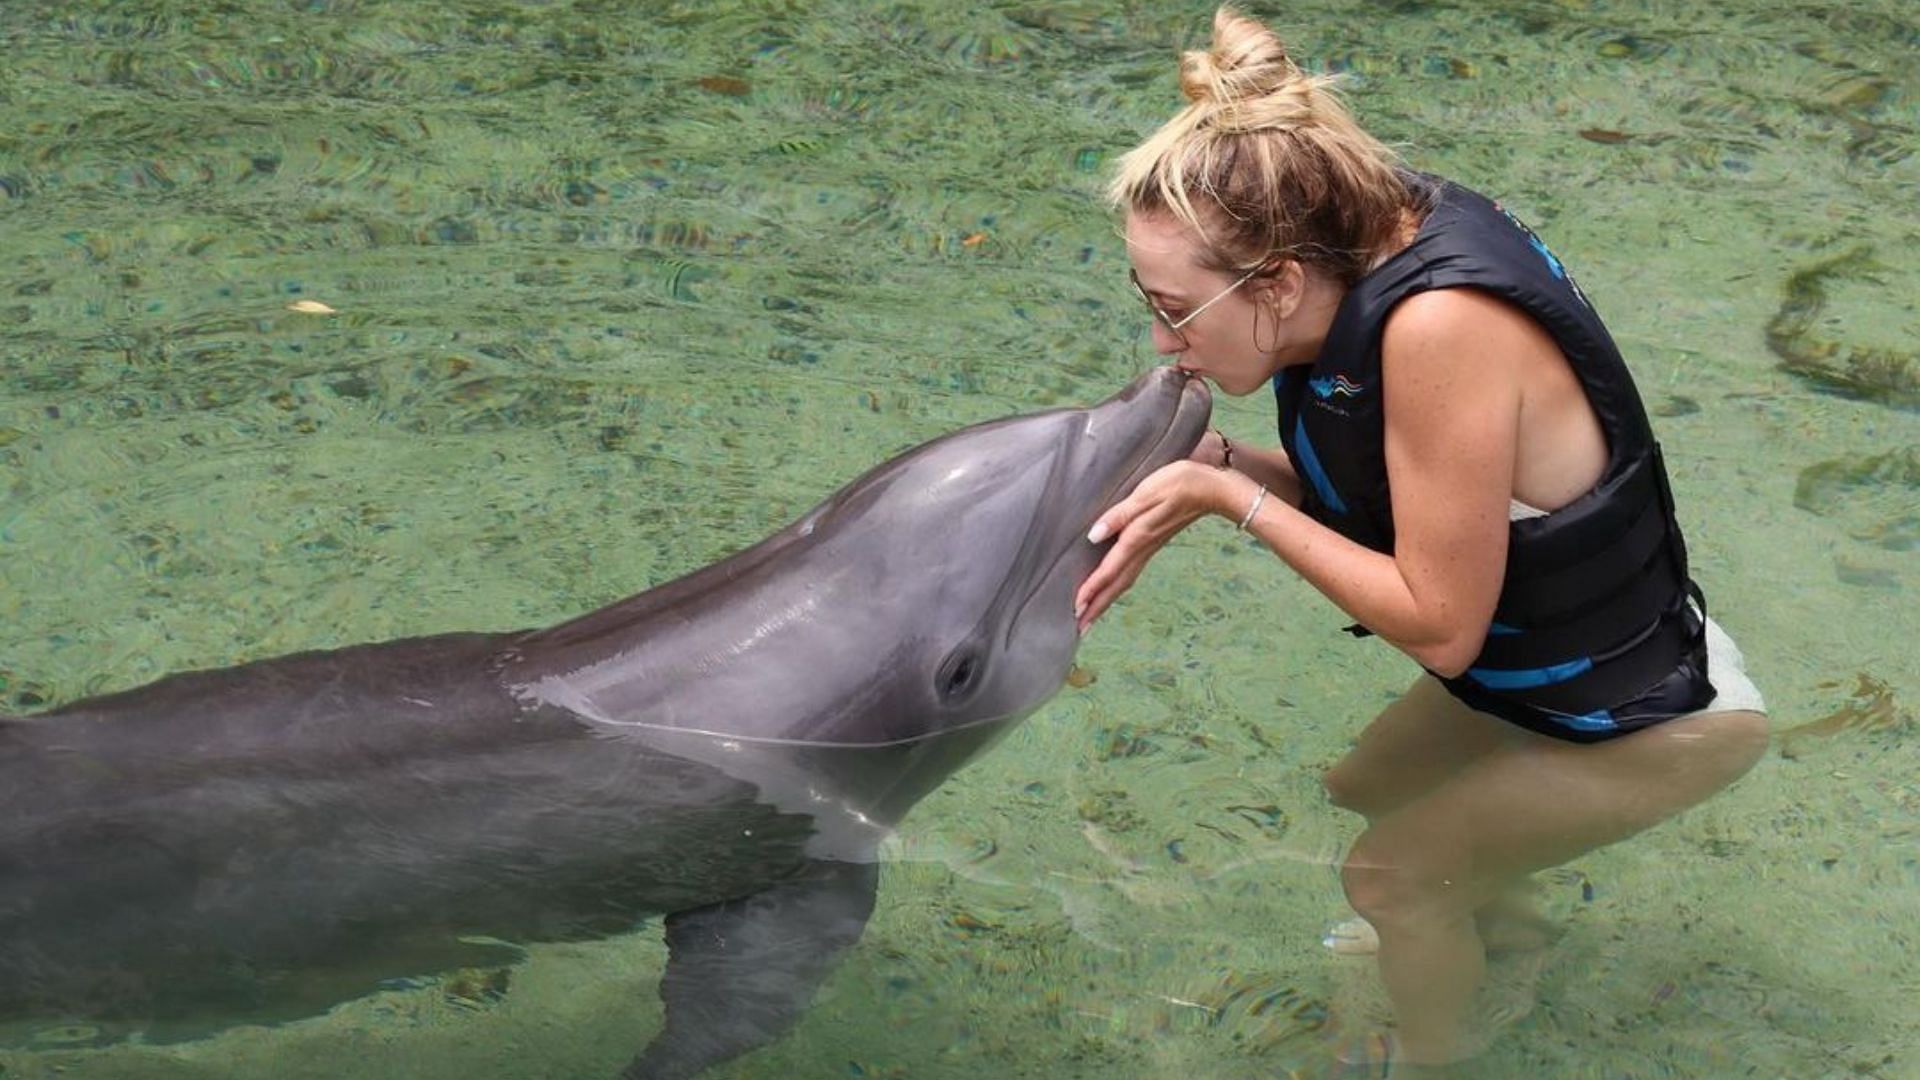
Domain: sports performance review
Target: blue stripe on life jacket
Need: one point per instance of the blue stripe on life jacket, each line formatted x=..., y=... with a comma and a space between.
x=1528, y=678
x=1598, y=720
x=1316, y=475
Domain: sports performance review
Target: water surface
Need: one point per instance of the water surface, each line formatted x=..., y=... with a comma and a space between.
x=610, y=293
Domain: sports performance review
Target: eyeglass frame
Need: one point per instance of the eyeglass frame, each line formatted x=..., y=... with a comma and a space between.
x=1174, y=327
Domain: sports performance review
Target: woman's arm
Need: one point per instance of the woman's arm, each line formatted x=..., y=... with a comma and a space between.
x=1452, y=362
x=1451, y=375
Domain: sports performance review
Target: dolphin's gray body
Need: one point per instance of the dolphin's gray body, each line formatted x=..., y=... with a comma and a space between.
x=261, y=842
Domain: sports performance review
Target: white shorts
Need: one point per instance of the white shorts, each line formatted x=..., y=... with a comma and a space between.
x=1727, y=670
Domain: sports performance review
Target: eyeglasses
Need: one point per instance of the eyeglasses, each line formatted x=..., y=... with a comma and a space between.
x=1172, y=324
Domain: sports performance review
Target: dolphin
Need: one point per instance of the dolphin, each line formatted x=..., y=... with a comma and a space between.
x=259, y=843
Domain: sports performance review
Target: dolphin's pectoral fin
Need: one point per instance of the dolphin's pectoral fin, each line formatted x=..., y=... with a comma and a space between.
x=740, y=973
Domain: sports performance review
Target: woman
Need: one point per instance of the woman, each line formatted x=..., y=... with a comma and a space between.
x=1466, y=470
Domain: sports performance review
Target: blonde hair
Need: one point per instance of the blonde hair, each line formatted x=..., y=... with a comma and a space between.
x=1277, y=163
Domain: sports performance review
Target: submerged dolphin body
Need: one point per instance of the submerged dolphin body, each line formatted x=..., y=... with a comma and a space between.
x=262, y=842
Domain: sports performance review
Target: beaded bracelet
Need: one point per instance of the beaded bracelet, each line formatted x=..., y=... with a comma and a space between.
x=1226, y=450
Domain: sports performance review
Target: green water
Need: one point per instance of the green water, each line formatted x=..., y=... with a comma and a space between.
x=619, y=288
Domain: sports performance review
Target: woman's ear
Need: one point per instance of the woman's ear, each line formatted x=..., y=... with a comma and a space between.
x=1287, y=288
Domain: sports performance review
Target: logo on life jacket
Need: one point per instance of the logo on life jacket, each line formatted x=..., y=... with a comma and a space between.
x=1338, y=386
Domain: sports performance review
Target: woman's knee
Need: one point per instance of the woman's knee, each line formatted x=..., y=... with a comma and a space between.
x=1747, y=734
x=1722, y=747
x=1371, y=792
x=1417, y=743
x=1348, y=788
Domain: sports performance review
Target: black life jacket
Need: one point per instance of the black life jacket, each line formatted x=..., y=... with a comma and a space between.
x=1593, y=635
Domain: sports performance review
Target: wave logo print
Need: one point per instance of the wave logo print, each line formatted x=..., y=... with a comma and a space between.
x=1338, y=386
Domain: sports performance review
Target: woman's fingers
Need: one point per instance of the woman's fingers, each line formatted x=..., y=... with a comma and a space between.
x=1140, y=525
x=1094, y=593
x=1121, y=573
x=1138, y=533
x=1111, y=522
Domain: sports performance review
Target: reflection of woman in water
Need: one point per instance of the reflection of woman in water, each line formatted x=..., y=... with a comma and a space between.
x=1467, y=472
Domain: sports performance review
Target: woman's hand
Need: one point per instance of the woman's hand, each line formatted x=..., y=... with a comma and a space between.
x=1168, y=500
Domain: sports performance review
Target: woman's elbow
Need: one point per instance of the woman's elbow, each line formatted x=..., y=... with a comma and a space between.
x=1447, y=658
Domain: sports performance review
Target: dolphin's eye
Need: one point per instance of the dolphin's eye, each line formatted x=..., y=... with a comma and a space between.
x=959, y=674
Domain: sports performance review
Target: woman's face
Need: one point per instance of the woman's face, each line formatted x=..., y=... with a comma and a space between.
x=1216, y=339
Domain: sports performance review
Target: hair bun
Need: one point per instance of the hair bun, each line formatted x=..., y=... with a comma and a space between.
x=1199, y=77
x=1265, y=161
x=1245, y=61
